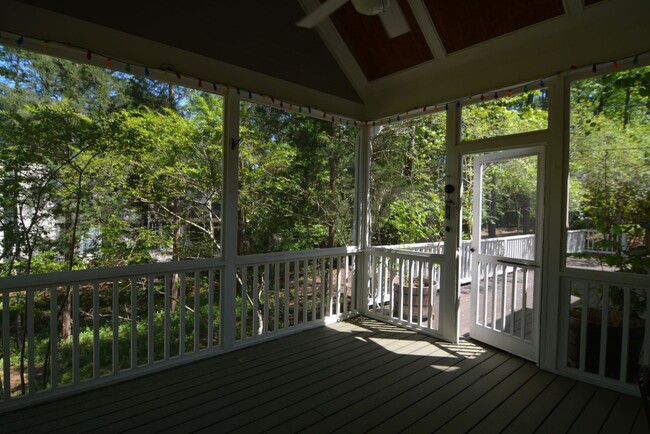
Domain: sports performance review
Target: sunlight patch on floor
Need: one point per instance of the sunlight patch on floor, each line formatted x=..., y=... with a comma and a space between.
x=445, y=368
x=464, y=349
x=423, y=348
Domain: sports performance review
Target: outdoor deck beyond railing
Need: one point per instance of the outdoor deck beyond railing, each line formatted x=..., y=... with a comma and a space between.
x=519, y=246
x=132, y=320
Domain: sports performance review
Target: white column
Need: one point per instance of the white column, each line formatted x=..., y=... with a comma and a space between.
x=449, y=295
x=362, y=221
x=229, y=219
x=554, y=315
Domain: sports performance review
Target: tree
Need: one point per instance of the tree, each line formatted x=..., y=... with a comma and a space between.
x=610, y=149
x=407, y=181
x=296, y=181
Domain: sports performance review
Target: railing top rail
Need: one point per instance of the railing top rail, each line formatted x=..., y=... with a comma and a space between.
x=574, y=231
x=406, y=254
x=512, y=237
x=265, y=258
x=607, y=277
x=413, y=245
x=63, y=278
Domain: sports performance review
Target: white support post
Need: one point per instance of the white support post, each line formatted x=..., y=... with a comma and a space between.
x=553, y=313
x=449, y=294
x=362, y=222
x=229, y=219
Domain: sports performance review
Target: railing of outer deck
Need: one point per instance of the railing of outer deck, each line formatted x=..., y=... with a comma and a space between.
x=404, y=287
x=520, y=246
x=132, y=320
x=592, y=241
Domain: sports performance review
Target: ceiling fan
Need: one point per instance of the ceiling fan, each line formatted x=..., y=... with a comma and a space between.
x=389, y=13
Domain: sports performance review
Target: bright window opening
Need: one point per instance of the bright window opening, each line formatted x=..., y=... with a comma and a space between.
x=505, y=116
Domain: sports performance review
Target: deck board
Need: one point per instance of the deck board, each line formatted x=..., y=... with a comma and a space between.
x=515, y=403
x=563, y=416
x=595, y=413
x=347, y=382
x=357, y=376
x=539, y=408
x=641, y=423
x=471, y=415
x=623, y=415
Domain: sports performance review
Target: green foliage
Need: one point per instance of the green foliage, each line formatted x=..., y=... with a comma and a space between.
x=610, y=164
x=407, y=180
x=296, y=183
x=102, y=168
x=507, y=115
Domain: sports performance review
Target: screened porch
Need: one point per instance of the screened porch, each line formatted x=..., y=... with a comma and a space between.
x=285, y=230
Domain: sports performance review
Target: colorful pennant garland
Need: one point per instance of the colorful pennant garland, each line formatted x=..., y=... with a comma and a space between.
x=147, y=70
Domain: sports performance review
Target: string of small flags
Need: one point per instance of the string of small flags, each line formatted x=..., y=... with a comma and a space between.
x=532, y=86
x=168, y=72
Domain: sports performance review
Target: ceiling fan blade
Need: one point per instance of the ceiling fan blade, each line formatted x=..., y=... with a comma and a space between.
x=394, y=20
x=320, y=13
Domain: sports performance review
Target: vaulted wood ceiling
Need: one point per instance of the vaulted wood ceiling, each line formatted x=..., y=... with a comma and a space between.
x=347, y=64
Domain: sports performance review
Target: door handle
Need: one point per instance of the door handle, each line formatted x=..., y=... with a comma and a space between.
x=472, y=250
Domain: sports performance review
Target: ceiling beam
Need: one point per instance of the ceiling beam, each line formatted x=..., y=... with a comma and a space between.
x=573, y=7
x=339, y=50
x=428, y=29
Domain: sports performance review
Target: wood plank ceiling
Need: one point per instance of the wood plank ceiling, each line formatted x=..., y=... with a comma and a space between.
x=377, y=54
x=462, y=24
x=459, y=24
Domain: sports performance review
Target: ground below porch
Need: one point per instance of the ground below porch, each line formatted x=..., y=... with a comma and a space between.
x=355, y=376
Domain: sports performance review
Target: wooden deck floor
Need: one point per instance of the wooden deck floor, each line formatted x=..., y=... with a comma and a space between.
x=357, y=376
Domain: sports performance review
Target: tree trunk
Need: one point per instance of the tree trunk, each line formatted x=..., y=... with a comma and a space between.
x=171, y=97
x=530, y=98
x=332, y=186
x=409, y=160
x=525, y=215
x=174, y=290
x=66, y=314
x=240, y=232
x=66, y=321
x=626, y=112
x=492, y=210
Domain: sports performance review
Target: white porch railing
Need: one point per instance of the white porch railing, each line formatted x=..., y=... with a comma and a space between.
x=122, y=322
x=132, y=320
x=605, y=330
x=520, y=247
x=283, y=292
x=516, y=247
x=127, y=321
x=404, y=287
x=591, y=241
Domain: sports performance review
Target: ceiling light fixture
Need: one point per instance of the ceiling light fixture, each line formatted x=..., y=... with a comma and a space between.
x=370, y=7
